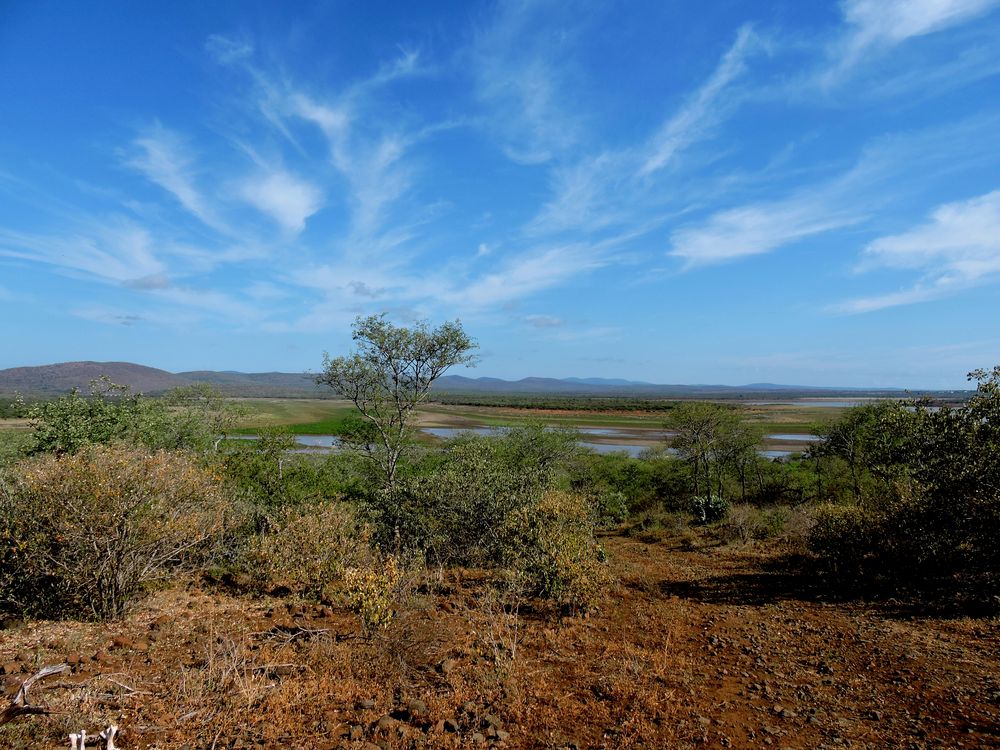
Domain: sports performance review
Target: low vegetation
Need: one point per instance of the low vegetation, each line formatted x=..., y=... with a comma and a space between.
x=112, y=499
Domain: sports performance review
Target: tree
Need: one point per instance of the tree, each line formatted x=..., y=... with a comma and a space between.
x=712, y=438
x=388, y=375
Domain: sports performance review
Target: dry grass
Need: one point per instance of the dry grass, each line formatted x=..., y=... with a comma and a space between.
x=691, y=649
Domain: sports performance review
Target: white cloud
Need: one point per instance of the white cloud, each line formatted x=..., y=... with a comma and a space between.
x=894, y=21
x=543, y=321
x=756, y=229
x=703, y=111
x=526, y=274
x=615, y=187
x=519, y=80
x=284, y=197
x=958, y=247
x=162, y=158
x=873, y=26
x=116, y=251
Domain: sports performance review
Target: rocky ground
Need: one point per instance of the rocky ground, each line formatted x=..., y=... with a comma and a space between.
x=714, y=647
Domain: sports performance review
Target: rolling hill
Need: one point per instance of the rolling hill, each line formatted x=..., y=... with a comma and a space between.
x=49, y=380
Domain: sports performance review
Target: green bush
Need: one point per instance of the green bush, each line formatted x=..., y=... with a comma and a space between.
x=708, y=508
x=82, y=535
x=846, y=538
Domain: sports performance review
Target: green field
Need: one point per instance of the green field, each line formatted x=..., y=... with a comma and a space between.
x=297, y=416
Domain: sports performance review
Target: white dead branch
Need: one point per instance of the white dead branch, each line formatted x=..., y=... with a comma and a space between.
x=21, y=705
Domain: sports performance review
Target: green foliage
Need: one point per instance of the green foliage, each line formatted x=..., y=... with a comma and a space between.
x=708, y=508
x=373, y=590
x=390, y=373
x=81, y=535
x=610, y=508
x=14, y=445
x=711, y=439
x=457, y=509
x=190, y=418
x=925, y=511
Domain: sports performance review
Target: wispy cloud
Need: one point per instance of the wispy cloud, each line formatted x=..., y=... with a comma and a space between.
x=705, y=109
x=756, y=229
x=629, y=185
x=162, y=157
x=543, y=321
x=874, y=26
x=116, y=251
x=958, y=247
x=881, y=175
x=520, y=81
x=284, y=197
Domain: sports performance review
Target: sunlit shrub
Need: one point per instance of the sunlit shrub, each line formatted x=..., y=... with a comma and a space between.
x=371, y=591
x=304, y=548
x=83, y=534
x=551, y=545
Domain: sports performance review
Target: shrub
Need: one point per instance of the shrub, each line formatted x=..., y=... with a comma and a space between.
x=82, y=535
x=610, y=507
x=551, y=545
x=709, y=508
x=747, y=523
x=372, y=590
x=304, y=548
x=845, y=538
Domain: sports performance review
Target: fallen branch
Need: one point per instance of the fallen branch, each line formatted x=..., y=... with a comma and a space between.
x=21, y=706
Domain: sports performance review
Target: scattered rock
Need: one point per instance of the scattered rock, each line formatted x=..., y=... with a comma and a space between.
x=120, y=641
x=11, y=667
x=365, y=704
x=447, y=666
x=416, y=708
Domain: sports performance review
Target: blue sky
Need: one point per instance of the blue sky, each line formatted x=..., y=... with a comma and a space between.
x=724, y=192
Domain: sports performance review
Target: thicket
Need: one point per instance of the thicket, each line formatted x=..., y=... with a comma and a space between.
x=924, y=505
x=82, y=535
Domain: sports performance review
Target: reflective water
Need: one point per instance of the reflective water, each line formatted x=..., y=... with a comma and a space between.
x=796, y=437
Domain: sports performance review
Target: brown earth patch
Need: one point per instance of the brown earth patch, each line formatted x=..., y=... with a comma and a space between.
x=708, y=648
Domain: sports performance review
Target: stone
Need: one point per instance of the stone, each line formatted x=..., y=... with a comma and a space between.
x=489, y=720
x=120, y=641
x=365, y=704
x=447, y=666
x=416, y=708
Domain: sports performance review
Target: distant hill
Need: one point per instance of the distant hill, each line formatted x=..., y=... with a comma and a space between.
x=54, y=379
x=63, y=377
x=459, y=384
x=48, y=380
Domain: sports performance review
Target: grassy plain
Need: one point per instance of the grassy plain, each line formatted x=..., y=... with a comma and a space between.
x=326, y=416
x=299, y=416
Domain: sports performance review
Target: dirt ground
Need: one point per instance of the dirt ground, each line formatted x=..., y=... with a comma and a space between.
x=706, y=648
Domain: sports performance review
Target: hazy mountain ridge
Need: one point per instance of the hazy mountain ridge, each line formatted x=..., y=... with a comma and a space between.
x=62, y=377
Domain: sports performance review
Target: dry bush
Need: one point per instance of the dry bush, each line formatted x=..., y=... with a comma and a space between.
x=499, y=631
x=379, y=587
x=306, y=549
x=82, y=535
x=551, y=545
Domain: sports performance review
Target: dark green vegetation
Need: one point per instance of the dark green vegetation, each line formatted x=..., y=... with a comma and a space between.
x=555, y=403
